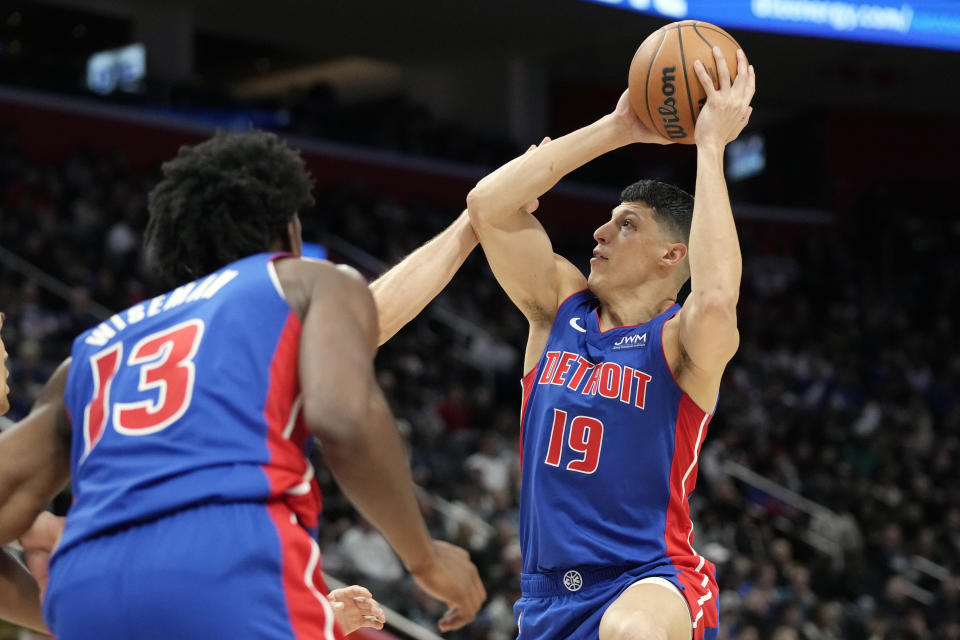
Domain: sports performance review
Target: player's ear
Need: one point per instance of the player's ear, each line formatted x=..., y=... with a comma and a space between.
x=675, y=253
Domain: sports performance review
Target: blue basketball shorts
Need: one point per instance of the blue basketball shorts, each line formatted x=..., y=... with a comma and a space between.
x=239, y=570
x=568, y=605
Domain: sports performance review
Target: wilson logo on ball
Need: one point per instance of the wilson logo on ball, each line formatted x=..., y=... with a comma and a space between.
x=668, y=110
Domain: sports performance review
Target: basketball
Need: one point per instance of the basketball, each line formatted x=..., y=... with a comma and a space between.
x=665, y=92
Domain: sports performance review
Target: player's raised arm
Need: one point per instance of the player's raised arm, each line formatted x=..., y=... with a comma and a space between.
x=345, y=408
x=516, y=245
x=708, y=322
x=34, y=459
x=402, y=292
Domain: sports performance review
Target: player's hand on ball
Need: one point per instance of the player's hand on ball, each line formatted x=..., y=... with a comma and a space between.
x=354, y=607
x=39, y=543
x=633, y=127
x=453, y=579
x=728, y=109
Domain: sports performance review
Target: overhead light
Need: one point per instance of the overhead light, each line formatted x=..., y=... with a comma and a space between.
x=353, y=78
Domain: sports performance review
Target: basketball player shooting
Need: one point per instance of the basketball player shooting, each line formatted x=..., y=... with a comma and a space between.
x=185, y=420
x=621, y=381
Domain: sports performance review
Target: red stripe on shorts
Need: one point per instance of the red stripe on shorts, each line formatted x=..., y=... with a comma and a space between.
x=310, y=614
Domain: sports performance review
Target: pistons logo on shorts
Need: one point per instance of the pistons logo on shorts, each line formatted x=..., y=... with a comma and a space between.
x=572, y=580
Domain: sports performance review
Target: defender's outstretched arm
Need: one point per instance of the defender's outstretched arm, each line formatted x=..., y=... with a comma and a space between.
x=402, y=292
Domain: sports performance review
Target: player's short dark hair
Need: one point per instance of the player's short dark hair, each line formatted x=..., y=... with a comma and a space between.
x=228, y=197
x=672, y=206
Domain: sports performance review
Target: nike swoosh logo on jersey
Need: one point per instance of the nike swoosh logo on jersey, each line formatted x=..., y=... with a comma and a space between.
x=576, y=325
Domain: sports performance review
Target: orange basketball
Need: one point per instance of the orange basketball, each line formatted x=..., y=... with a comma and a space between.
x=665, y=92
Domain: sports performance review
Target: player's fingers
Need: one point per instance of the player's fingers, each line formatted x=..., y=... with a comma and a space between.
x=723, y=73
x=751, y=82
x=704, y=78
x=545, y=140
x=376, y=612
x=478, y=592
x=453, y=619
x=357, y=591
x=741, y=80
x=373, y=622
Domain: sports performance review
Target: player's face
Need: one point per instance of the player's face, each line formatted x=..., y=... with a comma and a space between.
x=629, y=248
x=4, y=374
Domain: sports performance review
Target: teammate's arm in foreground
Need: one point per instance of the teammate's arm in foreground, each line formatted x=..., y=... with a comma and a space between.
x=704, y=336
x=34, y=467
x=345, y=408
x=516, y=245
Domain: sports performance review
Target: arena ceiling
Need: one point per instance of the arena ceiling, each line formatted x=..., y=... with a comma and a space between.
x=576, y=41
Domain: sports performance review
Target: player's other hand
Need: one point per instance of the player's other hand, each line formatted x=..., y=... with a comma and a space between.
x=452, y=578
x=39, y=542
x=631, y=126
x=354, y=607
x=728, y=109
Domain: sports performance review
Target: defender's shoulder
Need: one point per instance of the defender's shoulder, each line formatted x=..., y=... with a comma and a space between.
x=305, y=279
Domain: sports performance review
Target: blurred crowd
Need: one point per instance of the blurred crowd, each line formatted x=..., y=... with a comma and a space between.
x=844, y=391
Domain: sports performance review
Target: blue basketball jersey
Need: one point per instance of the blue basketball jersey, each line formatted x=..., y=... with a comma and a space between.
x=609, y=448
x=187, y=399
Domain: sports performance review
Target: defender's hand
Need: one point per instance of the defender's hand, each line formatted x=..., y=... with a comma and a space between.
x=728, y=109
x=631, y=125
x=354, y=607
x=39, y=543
x=452, y=578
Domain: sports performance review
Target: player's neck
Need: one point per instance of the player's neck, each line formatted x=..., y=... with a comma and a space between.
x=633, y=308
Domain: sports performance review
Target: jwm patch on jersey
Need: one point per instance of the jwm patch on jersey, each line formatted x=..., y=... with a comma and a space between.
x=189, y=398
x=610, y=445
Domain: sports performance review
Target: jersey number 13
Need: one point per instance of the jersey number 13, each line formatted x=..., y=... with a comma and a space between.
x=165, y=363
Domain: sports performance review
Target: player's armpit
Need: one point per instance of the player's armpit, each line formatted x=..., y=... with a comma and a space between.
x=34, y=459
x=698, y=344
x=569, y=281
x=708, y=331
